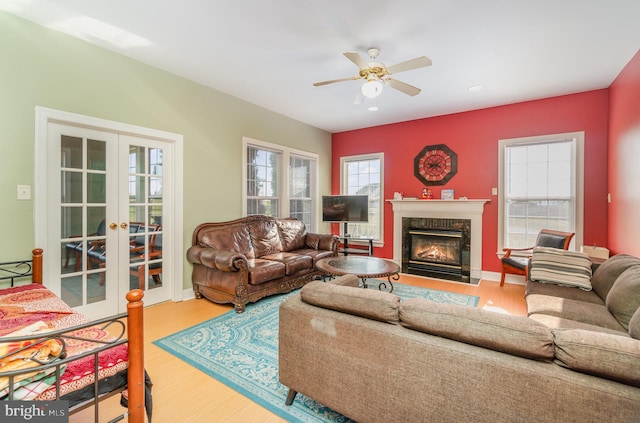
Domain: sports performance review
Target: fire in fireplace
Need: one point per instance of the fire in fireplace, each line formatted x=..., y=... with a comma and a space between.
x=435, y=250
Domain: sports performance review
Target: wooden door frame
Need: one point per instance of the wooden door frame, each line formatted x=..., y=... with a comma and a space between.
x=44, y=116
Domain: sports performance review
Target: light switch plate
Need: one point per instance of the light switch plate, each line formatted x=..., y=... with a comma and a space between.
x=24, y=192
x=494, y=191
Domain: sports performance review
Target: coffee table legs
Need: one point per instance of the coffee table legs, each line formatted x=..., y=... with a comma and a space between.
x=382, y=286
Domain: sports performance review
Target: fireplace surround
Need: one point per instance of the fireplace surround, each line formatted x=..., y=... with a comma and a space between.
x=464, y=216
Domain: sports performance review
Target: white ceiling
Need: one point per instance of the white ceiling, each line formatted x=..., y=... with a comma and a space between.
x=271, y=52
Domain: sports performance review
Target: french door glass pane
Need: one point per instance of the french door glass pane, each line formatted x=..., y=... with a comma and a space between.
x=155, y=161
x=96, y=155
x=82, y=214
x=137, y=192
x=71, y=222
x=71, y=189
x=155, y=214
x=136, y=159
x=155, y=187
x=96, y=184
x=145, y=214
x=71, y=156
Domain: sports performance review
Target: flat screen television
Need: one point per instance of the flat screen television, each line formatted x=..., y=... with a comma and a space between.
x=345, y=208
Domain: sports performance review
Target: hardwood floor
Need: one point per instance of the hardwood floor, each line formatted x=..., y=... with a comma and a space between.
x=182, y=393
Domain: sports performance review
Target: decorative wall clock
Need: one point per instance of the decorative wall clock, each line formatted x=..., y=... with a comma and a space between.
x=435, y=164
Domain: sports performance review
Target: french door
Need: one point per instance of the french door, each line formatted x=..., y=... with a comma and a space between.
x=107, y=218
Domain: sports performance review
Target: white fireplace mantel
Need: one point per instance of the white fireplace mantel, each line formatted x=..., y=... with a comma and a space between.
x=441, y=209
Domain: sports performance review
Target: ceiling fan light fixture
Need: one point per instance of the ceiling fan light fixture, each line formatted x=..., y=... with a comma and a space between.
x=372, y=88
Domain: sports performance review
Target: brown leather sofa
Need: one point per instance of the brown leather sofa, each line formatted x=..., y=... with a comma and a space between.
x=244, y=260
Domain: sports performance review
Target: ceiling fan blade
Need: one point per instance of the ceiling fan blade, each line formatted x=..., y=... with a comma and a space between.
x=333, y=81
x=404, y=87
x=418, y=62
x=357, y=59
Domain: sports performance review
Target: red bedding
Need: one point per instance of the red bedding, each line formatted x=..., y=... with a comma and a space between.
x=24, y=306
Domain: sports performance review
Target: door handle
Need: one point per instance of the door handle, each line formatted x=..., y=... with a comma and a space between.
x=113, y=226
x=124, y=225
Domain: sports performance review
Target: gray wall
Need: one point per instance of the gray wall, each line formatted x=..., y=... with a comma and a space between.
x=40, y=67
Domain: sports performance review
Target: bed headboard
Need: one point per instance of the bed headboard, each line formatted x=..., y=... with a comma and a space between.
x=20, y=269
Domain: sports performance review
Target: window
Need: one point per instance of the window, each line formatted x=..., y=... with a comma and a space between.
x=280, y=181
x=263, y=168
x=363, y=175
x=300, y=201
x=541, y=180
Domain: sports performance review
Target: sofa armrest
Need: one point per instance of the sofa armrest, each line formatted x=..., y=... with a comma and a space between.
x=224, y=260
x=322, y=242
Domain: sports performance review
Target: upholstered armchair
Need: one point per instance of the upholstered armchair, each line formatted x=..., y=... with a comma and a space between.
x=519, y=265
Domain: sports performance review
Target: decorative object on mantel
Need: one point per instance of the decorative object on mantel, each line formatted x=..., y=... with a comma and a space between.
x=446, y=194
x=427, y=194
x=397, y=195
x=435, y=164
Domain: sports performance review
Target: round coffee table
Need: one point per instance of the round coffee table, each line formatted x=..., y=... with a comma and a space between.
x=362, y=267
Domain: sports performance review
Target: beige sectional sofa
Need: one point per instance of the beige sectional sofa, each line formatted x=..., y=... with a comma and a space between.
x=607, y=307
x=374, y=358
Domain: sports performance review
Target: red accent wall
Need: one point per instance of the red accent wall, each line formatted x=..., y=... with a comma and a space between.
x=624, y=160
x=474, y=137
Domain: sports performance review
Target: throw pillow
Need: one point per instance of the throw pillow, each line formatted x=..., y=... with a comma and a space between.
x=514, y=335
x=624, y=297
x=606, y=274
x=604, y=355
x=369, y=303
x=561, y=267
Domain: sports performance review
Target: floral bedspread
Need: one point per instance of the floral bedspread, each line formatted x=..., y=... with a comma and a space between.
x=35, y=309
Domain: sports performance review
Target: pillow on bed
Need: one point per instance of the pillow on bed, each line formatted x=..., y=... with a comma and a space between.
x=560, y=267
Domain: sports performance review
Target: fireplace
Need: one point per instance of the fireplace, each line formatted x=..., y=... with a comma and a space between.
x=451, y=215
x=438, y=248
x=435, y=250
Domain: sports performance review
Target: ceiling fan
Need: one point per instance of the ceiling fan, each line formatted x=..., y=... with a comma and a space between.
x=376, y=74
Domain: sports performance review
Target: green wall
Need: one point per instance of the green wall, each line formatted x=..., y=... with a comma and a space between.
x=41, y=67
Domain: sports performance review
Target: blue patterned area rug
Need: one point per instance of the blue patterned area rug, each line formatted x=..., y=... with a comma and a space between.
x=241, y=351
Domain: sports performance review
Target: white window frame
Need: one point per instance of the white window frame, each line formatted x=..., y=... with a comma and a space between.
x=577, y=139
x=283, y=176
x=379, y=242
